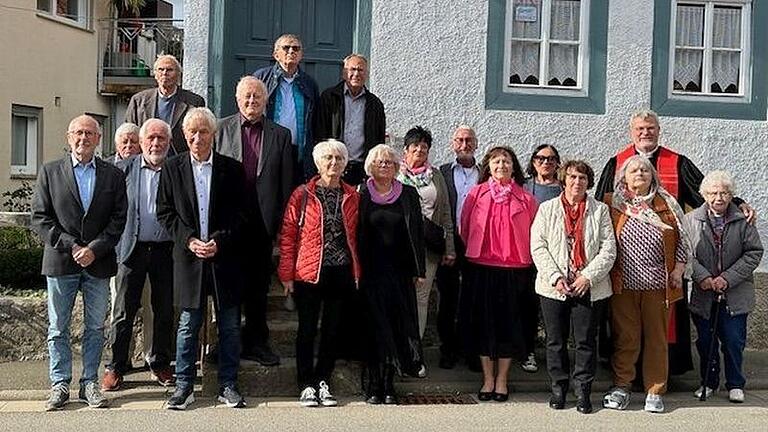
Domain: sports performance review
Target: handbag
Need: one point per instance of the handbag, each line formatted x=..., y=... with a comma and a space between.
x=434, y=237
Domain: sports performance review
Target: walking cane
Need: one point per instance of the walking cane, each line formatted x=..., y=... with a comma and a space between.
x=710, y=355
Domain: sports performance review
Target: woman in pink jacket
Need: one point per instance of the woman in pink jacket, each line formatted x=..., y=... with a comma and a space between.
x=496, y=227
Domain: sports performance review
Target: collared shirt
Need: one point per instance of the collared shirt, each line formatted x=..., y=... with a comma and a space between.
x=85, y=177
x=202, y=172
x=166, y=105
x=251, y=133
x=149, y=229
x=354, y=122
x=286, y=112
x=464, y=179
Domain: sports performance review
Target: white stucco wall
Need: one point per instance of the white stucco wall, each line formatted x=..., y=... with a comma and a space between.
x=428, y=67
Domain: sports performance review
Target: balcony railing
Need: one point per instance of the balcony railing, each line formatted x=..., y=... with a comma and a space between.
x=129, y=48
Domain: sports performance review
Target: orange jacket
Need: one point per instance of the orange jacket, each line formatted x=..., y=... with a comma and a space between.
x=301, y=248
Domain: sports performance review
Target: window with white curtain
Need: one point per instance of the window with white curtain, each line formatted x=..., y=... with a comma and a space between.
x=546, y=46
x=710, y=41
x=26, y=139
x=76, y=11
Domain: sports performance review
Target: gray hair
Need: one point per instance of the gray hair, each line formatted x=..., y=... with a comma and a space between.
x=718, y=177
x=85, y=117
x=285, y=37
x=327, y=147
x=150, y=122
x=643, y=161
x=167, y=57
x=355, y=56
x=200, y=113
x=126, y=128
x=466, y=128
x=644, y=114
x=376, y=153
x=251, y=79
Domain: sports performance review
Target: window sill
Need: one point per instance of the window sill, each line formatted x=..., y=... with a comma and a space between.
x=64, y=21
x=23, y=176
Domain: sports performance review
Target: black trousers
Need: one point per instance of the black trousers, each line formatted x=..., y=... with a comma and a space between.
x=449, y=288
x=153, y=259
x=354, y=174
x=577, y=315
x=335, y=284
x=255, y=331
x=530, y=313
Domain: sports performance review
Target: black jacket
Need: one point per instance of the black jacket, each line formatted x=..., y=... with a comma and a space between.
x=60, y=221
x=177, y=212
x=330, y=117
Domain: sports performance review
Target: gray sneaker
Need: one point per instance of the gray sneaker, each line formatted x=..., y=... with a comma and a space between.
x=90, y=394
x=181, y=398
x=231, y=397
x=653, y=403
x=58, y=398
x=617, y=399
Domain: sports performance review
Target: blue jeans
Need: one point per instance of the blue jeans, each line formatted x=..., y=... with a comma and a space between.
x=732, y=337
x=62, y=291
x=190, y=321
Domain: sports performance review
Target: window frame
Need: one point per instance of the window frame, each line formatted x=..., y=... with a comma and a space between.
x=84, y=13
x=34, y=149
x=545, y=42
x=745, y=51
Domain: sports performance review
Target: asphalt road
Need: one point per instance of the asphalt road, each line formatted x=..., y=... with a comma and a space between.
x=525, y=412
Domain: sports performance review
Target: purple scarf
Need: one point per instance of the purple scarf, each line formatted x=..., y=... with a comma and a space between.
x=390, y=197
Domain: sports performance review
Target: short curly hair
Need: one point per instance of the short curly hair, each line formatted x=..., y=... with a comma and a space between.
x=580, y=167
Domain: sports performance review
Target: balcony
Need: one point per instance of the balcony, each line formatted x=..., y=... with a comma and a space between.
x=129, y=47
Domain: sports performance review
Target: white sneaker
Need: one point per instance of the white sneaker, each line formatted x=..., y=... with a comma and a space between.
x=422, y=373
x=653, y=403
x=530, y=364
x=697, y=393
x=325, y=396
x=617, y=399
x=308, y=397
x=736, y=395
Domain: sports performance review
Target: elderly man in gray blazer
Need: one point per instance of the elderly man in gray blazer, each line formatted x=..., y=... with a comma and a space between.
x=168, y=102
x=78, y=210
x=265, y=149
x=145, y=249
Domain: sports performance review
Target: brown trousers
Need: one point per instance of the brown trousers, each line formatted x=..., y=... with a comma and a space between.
x=640, y=319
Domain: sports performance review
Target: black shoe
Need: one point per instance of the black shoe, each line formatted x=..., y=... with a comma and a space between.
x=583, y=404
x=373, y=400
x=390, y=399
x=182, y=397
x=262, y=354
x=484, y=396
x=447, y=361
x=557, y=397
x=501, y=397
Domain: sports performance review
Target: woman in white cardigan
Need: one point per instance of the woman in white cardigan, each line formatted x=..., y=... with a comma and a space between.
x=573, y=247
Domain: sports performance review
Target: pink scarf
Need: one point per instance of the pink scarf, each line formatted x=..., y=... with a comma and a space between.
x=500, y=192
x=390, y=197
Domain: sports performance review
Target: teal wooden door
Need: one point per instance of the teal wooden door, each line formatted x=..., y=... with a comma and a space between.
x=248, y=29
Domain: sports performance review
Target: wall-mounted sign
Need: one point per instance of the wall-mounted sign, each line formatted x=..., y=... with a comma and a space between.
x=526, y=13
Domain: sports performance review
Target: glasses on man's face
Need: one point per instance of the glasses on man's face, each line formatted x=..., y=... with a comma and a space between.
x=383, y=163
x=352, y=70
x=721, y=194
x=288, y=48
x=82, y=133
x=166, y=69
x=545, y=159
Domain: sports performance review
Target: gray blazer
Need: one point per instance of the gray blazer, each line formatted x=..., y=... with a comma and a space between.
x=275, y=174
x=61, y=222
x=741, y=254
x=143, y=106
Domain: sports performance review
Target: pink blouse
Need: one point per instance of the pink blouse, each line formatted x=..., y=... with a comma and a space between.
x=498, y=234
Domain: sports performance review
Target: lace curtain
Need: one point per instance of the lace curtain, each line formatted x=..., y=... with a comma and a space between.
x=726, y=27
x=563, y=58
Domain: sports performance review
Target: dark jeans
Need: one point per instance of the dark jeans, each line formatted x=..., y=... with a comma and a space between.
x=449, y=287
x=530, y=313
x=579, y=315
x=732, y=338
x=255, y=330
x=153, y=259
x=334, y=285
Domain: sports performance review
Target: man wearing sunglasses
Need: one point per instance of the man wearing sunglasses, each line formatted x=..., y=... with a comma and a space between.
x=293, y=97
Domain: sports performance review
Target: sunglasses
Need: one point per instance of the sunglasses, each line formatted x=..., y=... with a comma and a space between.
x=544, y=159
x=287, y=48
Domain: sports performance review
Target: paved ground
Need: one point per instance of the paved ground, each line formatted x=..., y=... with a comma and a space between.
x=527, y=412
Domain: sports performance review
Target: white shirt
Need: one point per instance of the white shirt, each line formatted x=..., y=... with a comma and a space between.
x=463, y=179
x=202, y=173
x=149, y=229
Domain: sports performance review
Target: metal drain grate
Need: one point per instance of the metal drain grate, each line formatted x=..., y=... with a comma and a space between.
x=436, y=399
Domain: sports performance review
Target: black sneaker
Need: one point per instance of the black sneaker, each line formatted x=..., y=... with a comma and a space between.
x=58, y=398
x=231, y=397
x=90, y=394
x=182, y=397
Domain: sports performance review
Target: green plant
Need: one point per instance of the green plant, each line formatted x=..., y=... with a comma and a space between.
x=128, y=5
x=20, y=268
x=18, y=200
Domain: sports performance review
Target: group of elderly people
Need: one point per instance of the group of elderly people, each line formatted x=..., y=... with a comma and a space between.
x=627, y=253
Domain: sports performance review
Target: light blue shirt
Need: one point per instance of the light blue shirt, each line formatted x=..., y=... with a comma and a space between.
x=287, y=109
x=149, y=229
x=85, y=177
x=354, y=124
x=202, y=171
x=463, y=179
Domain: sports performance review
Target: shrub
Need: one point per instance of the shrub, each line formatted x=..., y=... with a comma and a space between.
x=20, y=268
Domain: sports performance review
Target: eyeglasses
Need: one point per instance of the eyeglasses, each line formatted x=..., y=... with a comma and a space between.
x=81, y=133
x=287, y=48
x=545, y=159
x=384, y=163
x=352, y=70
x=460, y=139
x=723, y=194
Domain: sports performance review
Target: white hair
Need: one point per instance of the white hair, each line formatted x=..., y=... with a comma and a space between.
x=642, y=161
x=126, y=128
x=251, y=79
x=376, y=153
x=167, y=57
x=149, y=122
x=718, y=177
x=200, y=113
x=644, y=114
x=327, y=147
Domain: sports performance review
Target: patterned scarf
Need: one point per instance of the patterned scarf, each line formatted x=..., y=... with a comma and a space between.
x=416, y=177
x=500, y=192
x=390, y=197
x=574, y=230
x=638, y=206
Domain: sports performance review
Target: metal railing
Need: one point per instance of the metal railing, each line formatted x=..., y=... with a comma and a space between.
x=129, y=47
